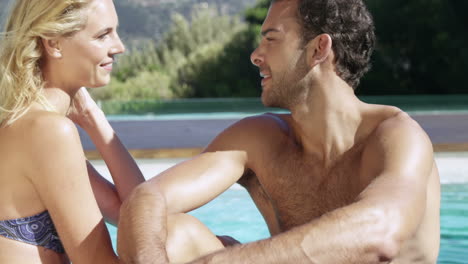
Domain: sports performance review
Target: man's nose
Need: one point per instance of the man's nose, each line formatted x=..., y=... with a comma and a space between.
x=256, y=58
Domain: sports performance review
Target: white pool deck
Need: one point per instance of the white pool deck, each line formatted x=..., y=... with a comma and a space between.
x=453, y=167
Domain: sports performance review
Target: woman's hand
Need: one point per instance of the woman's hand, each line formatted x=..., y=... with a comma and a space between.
x=84, y=110
x=123, y=168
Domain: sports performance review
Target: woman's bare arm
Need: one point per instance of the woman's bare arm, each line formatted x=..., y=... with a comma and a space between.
x=57, y=168
x=123, y=168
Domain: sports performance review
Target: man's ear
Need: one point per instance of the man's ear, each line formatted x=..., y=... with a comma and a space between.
x=52, y=47
x=319, y=49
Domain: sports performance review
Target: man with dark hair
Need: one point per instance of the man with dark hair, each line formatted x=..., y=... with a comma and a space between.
x=337, y=180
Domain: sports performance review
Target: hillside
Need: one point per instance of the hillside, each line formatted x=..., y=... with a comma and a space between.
x=151, y=18
x=142, y=19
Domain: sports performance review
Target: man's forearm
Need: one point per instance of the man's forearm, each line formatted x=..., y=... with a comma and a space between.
x=339, y=237
x=142, y=228
x=273, y=250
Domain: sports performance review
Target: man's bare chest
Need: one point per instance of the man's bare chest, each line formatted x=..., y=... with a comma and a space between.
x=299, y=190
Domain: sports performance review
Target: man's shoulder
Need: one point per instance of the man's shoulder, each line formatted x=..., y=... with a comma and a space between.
x=400, y=122
x=398, y=130
x=254, y=131
x=264, y=126
x=278, y=122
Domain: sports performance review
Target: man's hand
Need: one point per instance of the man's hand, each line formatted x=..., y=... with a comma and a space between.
x=228, y=241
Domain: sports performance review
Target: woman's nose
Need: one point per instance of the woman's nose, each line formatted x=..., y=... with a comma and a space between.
x=118, y=47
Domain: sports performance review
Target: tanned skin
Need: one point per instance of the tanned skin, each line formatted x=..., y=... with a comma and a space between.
x=337, y=180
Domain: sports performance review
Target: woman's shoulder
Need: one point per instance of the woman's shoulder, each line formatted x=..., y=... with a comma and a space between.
x=39, y=123
x=43, y=129
x=38, y=137
x=50, y=123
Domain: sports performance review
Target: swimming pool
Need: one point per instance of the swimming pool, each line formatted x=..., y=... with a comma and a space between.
x=234, y=214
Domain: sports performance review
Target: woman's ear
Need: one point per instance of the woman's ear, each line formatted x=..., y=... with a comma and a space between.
x=52, y=47
x=319, y=49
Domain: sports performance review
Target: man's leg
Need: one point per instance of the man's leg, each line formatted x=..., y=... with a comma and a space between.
x=180, y=237
x=188, y=239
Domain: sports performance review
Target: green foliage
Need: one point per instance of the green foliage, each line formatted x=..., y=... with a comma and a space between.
x=225, y=70
x=150, y=19
x=159, y=71
x=136, y=61
x=421, y=47
x=258, y=13
x=420, y=50
x=207, y=55
x=154, y=85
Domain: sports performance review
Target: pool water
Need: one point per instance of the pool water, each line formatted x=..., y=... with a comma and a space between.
x=233, y=213
x=454, y=224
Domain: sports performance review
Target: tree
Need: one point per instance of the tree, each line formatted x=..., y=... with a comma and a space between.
x=228, y=72
x=178, y=60
x=420, y=47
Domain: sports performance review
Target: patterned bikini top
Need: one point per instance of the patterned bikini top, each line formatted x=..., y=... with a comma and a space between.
x=38, y=230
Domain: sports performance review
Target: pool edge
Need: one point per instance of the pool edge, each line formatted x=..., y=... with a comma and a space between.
x=166, y=153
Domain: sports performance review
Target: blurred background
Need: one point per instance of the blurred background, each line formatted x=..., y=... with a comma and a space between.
x=200, y=49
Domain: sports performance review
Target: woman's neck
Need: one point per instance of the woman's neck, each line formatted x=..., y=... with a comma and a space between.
x=58, y=98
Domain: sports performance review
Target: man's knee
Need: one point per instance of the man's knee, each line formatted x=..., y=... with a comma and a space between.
x=188, y=238
x=183, y=223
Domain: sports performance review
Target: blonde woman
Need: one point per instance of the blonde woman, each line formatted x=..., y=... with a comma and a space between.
x=48, y=211
x=53, y=203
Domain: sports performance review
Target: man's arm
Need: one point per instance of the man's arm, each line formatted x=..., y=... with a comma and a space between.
x=142, y=231
x=197, y=181
x=184, y=187
x=370, y=230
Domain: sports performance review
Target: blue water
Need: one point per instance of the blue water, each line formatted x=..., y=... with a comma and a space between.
x=454, y=224
x=234, y=214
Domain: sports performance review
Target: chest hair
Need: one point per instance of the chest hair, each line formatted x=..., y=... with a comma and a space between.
x=300, y=189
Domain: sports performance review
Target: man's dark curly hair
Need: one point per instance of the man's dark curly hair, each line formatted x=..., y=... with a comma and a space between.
x=351, y=28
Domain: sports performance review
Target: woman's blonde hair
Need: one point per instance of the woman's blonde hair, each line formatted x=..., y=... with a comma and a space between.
x=21, y=50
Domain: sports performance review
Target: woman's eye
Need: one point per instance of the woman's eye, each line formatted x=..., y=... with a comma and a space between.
x=103, y=35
